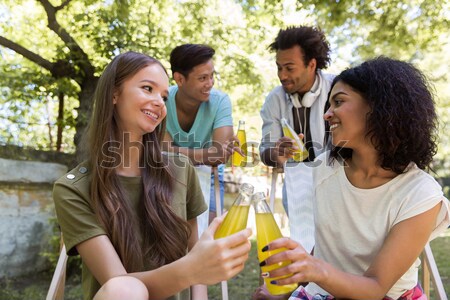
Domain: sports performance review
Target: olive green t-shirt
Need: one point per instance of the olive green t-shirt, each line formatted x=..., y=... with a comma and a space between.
x=79, y=223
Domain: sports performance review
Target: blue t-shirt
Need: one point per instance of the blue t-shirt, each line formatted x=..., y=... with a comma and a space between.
x=212, y=114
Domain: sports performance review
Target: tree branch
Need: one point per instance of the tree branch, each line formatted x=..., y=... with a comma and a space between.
x=26, y=53
x=83, y=60
x=64, y=4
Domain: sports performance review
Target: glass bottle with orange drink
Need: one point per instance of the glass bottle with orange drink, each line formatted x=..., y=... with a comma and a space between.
x=267, y=230
x=236, y=218
x=237, y=159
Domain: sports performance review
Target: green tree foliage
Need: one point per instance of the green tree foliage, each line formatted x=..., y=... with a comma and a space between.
x=394, y=28
x=64, y=45
x=52, y=51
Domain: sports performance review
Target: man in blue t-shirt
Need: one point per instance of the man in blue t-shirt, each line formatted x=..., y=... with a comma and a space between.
x=199, y=122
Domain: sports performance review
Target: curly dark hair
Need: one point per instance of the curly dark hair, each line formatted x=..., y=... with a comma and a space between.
x=310, y=39
x=402, y=122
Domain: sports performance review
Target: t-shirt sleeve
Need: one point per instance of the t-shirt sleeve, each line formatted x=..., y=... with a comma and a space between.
x=426, y=194
x=171, y=117
x=224, y=114
x=75, y=216
x=195, y=203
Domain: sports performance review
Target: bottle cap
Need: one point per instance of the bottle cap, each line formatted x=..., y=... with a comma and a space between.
x=247, y=188
x=259, y=196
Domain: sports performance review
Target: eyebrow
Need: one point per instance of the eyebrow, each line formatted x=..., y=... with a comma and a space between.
x=338, y=93
x=286, y=64
x=206, y=73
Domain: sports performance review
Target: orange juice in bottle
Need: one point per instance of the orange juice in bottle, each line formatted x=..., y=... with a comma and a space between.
x=267, y=230
x=302, y=153
x=236, y=218
x=237, y=159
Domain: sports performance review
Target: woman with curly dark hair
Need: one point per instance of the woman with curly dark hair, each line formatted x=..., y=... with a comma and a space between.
x=375, y=206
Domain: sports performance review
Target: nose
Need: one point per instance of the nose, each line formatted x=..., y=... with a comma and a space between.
x=328, y=114
x=210, y=82
x=159, y=100
x=282, y=75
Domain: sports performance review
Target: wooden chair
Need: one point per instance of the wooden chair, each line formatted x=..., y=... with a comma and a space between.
x=56, y=290
x=430, y=274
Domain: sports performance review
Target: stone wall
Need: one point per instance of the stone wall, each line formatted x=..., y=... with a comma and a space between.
x=26, y=206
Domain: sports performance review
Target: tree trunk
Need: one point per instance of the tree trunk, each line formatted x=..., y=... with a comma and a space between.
x=60, y=121
x=84, y=113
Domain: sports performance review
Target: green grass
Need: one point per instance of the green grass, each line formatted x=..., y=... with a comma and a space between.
x=441, y=249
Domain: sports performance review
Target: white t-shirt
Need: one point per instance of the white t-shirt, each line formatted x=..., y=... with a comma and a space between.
x=351, y=223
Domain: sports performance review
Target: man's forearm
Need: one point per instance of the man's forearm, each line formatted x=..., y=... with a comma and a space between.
x=269, y=157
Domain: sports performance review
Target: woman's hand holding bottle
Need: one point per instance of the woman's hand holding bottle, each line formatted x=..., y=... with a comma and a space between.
x=303, y=267
x=211, y=261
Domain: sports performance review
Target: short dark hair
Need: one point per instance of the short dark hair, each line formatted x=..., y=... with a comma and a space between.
x=185, y=57
x=402, y=122
x=311, y=39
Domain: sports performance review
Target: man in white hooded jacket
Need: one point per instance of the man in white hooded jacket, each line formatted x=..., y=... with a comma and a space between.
x=301, y=53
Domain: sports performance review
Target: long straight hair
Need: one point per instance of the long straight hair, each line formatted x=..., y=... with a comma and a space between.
x=164, y=235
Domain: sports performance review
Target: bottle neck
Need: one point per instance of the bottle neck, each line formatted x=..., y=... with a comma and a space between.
x=261, y=206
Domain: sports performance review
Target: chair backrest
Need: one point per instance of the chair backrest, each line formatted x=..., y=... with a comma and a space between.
x=430, y=274
x=56, y=290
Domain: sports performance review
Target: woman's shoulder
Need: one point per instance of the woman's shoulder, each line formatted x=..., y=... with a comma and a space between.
x=177, y=159
x=78, y=173
x=77, y=179
x=415, y=178
x=179, y=165
x=415, y=187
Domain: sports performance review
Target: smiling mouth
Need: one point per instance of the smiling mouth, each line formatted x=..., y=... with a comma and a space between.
x=333, y=126
x=151, y=114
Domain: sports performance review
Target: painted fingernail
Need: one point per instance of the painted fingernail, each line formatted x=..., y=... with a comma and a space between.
x=265, y=248
x=273, y=282
x=262, y=264
x=265, y=274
